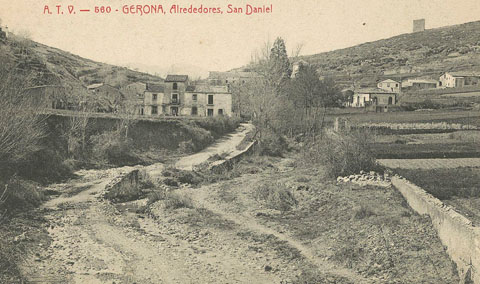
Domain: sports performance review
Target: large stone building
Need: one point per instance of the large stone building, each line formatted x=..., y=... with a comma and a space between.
x=176, y=97
x=459, y=79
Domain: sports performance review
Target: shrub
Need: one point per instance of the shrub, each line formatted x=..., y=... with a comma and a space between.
x=18, y=194
x=111, y=147
x=275, y=196
x=363, y=212
x=344, y=154
x=175, y=201
x=272, y=144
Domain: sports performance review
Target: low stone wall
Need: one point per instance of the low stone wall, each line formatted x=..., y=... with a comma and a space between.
x=221, y=165
x=455, y=231
x=125, y=187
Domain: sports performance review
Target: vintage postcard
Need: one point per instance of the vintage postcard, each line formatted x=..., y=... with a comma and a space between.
x=242, y=141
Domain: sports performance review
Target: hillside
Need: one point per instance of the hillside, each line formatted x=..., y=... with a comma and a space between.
x=427, y=53
x=52, y=66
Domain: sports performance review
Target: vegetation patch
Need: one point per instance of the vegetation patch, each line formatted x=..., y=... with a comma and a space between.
x=276, y=196
x=446, y=184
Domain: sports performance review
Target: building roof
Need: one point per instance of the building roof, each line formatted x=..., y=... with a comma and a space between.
x=208, y=89
x=389, y=81
x=229, y=74
x=464, y=74
x=423, y=81
x=372, y=91
x=176, y=78
x=155, y=88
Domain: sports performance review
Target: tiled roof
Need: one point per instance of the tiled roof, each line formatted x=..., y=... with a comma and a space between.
x=207, y=89
x=389, y=81
x=372, y=91
x=176, y=78
x=155, y=88
x=464, y=74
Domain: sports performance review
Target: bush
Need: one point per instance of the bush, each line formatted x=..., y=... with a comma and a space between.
x=110, y=147
x=344, y=154
x=219, y=125
x=275, y=196
x=271, y=144
x=18, y=194
x=175, y=201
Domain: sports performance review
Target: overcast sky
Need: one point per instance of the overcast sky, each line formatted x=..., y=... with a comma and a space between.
x=222, y=42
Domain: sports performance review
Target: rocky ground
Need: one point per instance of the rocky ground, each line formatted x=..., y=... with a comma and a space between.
x=222, y=232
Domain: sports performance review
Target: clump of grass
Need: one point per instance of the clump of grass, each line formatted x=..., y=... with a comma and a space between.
x=363, y=212
x=176, y=176
x=276, y=196
x=175, y=201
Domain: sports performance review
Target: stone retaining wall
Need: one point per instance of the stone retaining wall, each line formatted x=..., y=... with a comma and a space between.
x=455, y=231
x=221, y=165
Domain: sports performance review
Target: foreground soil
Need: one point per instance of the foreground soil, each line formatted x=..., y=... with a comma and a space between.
x=223, y=233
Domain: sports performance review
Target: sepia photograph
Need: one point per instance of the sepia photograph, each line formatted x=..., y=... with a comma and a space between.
x=242, y=141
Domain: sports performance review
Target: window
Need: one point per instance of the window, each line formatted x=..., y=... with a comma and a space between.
x=154, y=97
x=388, y=84
x=174, y=111
x=390, y=100
x=220, y=111
x=210, y=112
x=154, y=110
x=194, y=111
x=210, y=99
x=396, y=85
x=194, y=97
x=175, y=86
x=174, y=98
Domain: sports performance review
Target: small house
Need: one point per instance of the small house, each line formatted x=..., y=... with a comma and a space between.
x=419, y=84
x=374, y=99
x=459, y=79
x=390, y=85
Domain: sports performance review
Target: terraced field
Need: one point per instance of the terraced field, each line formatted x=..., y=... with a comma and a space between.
x=430, y=163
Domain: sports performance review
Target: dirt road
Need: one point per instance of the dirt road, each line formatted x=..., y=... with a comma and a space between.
x=95, y=241
x=225, y=147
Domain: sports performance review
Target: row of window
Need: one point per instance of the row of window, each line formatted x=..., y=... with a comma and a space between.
x=174, y=111
x=175, y=98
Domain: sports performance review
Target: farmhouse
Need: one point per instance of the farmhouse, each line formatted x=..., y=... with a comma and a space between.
x=177, y=97
x=106, y=98
x=418, y=84
x=459, y=79
x=153, y=100
x=375, y=99
x=205, y=100
x=390, y=85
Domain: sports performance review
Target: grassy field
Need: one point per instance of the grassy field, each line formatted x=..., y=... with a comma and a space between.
x=368, y=230
x=459, y=188
x=420, y=142
x=471, y=117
